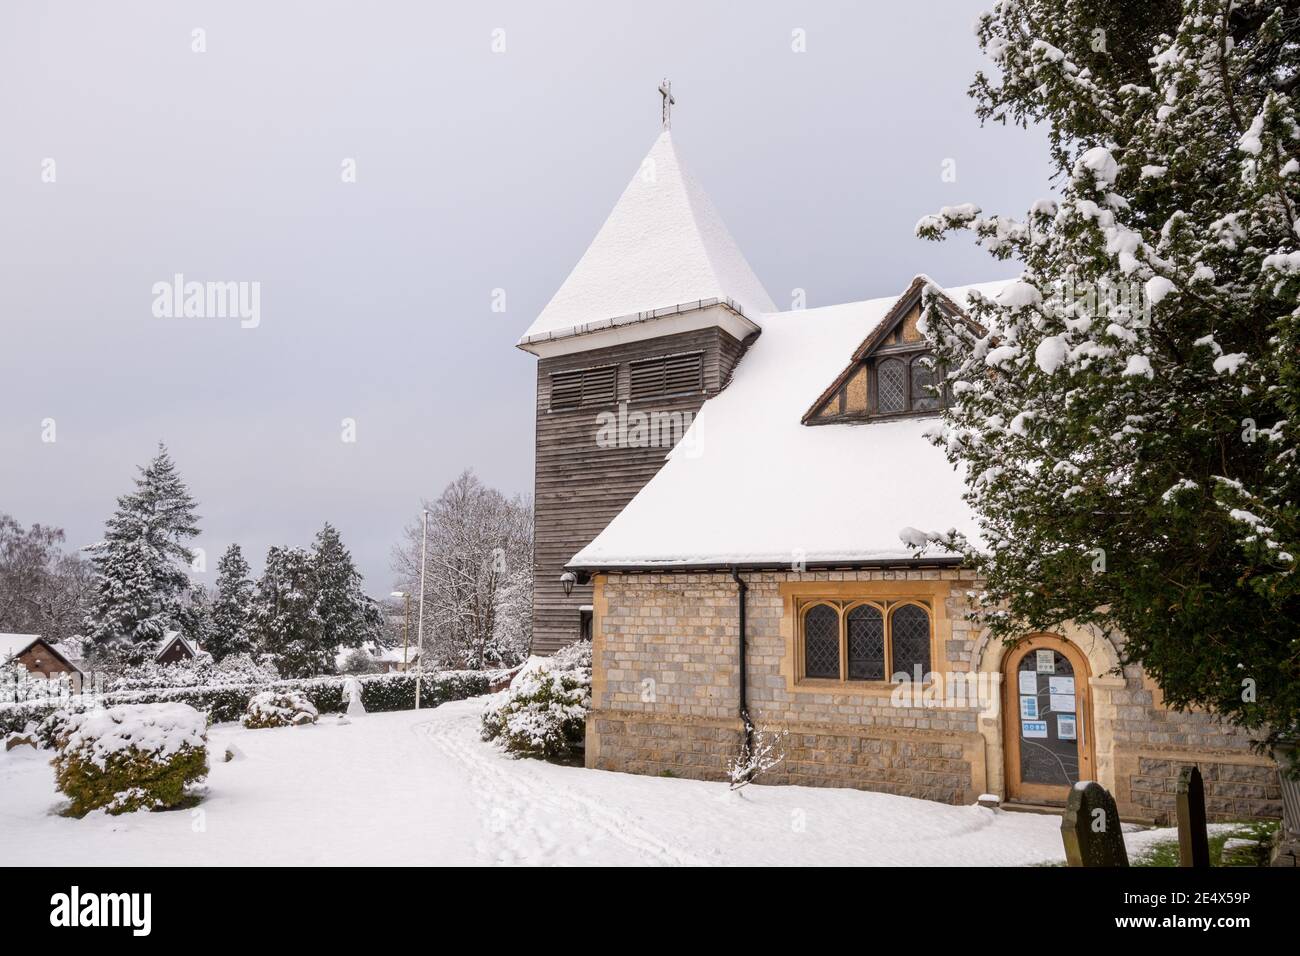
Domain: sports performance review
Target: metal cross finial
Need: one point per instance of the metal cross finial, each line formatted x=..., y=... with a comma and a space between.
x=666, y=91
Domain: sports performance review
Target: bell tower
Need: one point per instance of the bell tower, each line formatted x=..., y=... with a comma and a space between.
x=647, y=326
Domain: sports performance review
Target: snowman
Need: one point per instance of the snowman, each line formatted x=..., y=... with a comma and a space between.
x=352, y=694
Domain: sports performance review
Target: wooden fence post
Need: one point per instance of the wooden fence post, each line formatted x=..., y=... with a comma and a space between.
x=1090, y=828
x=1193, y=839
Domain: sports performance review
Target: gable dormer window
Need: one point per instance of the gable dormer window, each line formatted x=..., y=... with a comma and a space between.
x=891, y=386
x=892, y=373
x=904, y=384
x=925, y=381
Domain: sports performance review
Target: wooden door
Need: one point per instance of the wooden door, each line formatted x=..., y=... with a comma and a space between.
x=1048, y=720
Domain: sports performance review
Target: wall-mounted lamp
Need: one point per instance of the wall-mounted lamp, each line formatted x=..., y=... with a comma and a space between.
x=568, y=579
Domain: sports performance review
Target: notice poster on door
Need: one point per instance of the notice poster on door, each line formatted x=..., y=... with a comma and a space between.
x=1060, y=685
x=1033, y=728
x=1028, y=708
x=1062, y=703
x=1028, y=682
x=1065, y=726
x=1046, y=662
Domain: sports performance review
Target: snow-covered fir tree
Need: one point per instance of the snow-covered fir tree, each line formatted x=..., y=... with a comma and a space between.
x=285, y=621
x=140, y=567
x=232, y=609
x=1126, y=413
x=196, y=617
x=309, y=604
x=348, y=617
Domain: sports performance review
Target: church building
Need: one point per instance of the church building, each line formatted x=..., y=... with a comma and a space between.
x=724, y=493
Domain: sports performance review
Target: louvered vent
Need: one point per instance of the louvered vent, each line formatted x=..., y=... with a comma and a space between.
x=670, y=375
x=584, y=386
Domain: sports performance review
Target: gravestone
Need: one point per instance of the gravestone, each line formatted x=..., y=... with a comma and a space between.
x=1090, y=828
x=1193, y=840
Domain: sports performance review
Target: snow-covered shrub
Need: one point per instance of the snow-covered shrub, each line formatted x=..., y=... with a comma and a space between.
x=280, y=709
x=543, y=713
x=133, y=757
x=357, y=661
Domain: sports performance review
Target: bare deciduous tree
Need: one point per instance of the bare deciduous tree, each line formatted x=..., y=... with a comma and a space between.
x=43, y=589
x=478, y=588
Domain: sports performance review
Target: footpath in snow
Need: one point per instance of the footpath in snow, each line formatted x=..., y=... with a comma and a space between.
x=419, y=787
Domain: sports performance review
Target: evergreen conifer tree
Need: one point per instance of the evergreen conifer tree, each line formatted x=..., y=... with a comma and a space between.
x=1126, y=413
x=232, y=609
x=140, y=567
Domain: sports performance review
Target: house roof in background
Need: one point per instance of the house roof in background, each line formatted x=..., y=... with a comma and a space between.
x=12, y=645
x=171, y=637
x=397, y=655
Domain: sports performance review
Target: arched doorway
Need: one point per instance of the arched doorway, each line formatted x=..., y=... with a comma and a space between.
x=1048, y=735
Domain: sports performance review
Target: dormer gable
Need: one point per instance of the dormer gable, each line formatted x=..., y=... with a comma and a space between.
x=892, y=373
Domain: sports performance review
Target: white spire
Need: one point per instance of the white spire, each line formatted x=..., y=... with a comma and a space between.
x=663, y=246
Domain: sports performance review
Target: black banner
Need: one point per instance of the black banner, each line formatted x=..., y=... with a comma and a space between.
x=211, y=906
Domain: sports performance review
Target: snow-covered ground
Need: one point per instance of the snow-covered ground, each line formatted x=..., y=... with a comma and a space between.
x=421, y=788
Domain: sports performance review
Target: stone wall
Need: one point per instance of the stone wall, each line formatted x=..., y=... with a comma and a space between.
x=666, y=700
x=1233, y=791
x=666, y=692
x=1154, y=743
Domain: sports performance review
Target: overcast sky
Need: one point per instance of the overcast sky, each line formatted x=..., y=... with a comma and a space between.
x=475, y=170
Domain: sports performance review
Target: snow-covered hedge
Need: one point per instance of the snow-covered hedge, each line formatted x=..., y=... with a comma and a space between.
x=132, y=757
x=235, y=670
x=379, y=693
x=280, y=708
x=543, y=713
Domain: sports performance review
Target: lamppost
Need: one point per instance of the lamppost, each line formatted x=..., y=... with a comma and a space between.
x=419, y=628
x=406, y=628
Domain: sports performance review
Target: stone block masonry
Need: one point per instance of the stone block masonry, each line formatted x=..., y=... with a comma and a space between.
x=666, y=693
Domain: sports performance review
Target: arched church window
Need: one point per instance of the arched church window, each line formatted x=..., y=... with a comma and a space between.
x=866, y=643
x=909, y=630
x=821, y=648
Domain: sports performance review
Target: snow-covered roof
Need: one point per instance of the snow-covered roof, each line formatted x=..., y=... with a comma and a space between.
x=13, y=644
x=397, y=655
x=750, y=484
x=166, y=642
x=389, y=655
x=664, y=246
x=72, y=649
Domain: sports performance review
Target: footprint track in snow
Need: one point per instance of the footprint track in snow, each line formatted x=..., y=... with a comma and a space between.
x=511, y=800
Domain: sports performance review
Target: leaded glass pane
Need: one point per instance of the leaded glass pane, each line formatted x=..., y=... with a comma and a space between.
x=821, y=647
x=910, y=631
x=891, y=386
x=923, y=381
x=866, y=627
